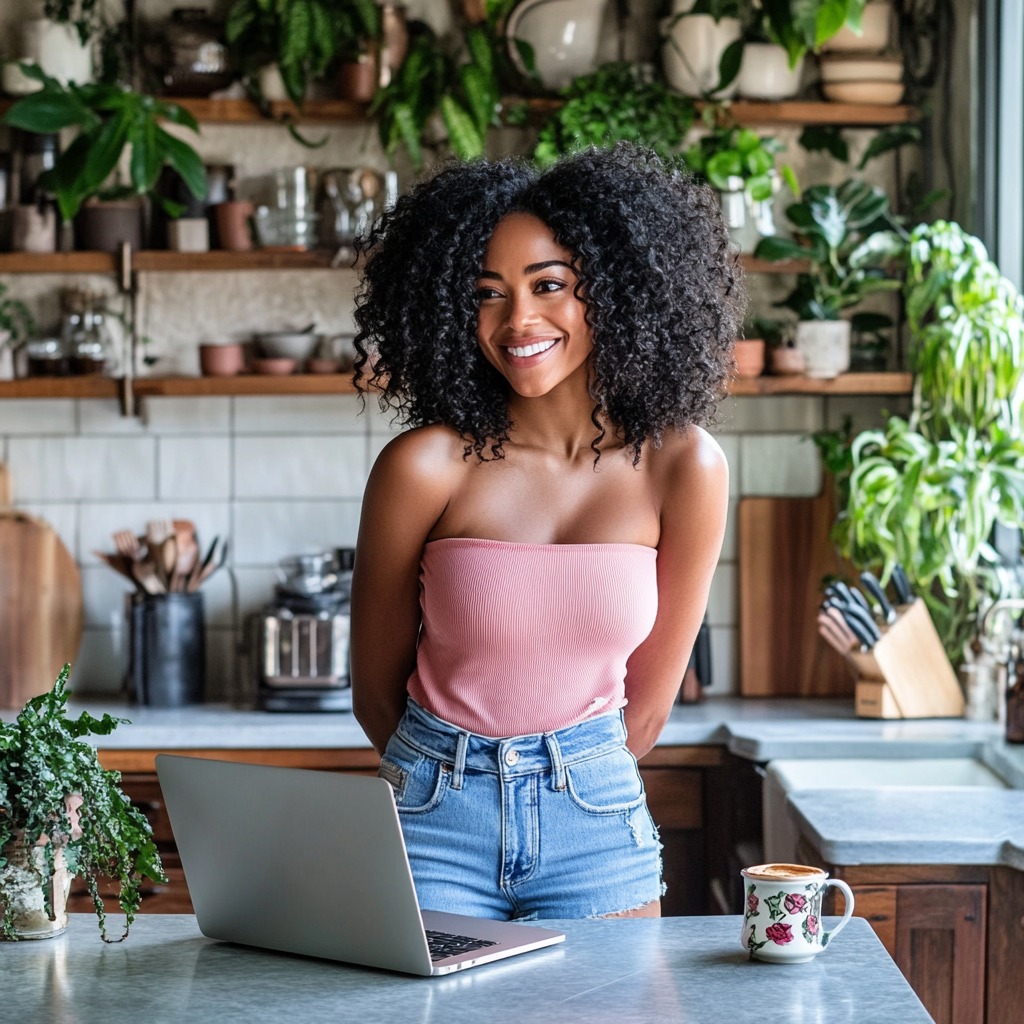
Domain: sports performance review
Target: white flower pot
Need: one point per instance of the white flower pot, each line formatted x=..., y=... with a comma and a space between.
x=875, y=25
x=694, y=45
x=272, y=84
x=565, y=36
x=765, y=73
x=21, y=891
x=825, y=345
x=57, y=49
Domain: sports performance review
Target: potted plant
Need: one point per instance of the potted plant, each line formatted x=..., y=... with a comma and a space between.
x=61, y=815
x=700, y=55
x=740, y=164
x=16, y=324
x=847, y=234
x=359, y=33
x=108, y=119
x=618, y=102
x=927, y=491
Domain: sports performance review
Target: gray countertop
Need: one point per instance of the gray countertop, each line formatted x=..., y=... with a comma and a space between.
x=649, y=971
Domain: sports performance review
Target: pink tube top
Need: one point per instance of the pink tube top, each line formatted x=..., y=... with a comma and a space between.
x=528, y=638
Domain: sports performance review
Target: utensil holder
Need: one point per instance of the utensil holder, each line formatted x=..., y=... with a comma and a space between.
x=907, y=674
x=167, y=644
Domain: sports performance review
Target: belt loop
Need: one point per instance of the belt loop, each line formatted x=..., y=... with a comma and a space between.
x=460, y=760
x=557, y=767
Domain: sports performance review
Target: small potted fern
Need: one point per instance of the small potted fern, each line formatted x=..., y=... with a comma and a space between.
x=61, y=815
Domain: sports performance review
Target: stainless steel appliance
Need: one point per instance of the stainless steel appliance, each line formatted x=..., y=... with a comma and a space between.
x=300, y=639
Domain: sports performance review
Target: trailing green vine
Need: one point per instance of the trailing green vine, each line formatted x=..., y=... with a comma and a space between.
x=43, y=762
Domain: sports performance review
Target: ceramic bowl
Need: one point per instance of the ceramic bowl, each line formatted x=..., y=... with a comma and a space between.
x=221, y=360
x=858, y=67
x=296, y=345
x=323, y=366
x=882, y=94
x=565, y=36
x=875, y=25
x=274, y=367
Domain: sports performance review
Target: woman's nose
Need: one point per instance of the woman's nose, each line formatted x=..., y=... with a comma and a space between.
x=522, y=311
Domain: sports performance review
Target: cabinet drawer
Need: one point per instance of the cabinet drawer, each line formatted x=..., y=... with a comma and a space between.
x=675, y=796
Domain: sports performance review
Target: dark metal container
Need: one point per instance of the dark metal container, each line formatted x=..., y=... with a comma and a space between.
x=167, y=667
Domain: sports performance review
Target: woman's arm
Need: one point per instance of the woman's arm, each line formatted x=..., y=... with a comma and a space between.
x=407, y=491
x=695, y=500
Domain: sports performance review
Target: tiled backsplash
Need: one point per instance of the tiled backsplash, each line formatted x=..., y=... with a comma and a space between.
x=281, y=475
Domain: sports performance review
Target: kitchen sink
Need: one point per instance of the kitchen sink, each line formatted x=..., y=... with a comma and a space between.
x=781, y=833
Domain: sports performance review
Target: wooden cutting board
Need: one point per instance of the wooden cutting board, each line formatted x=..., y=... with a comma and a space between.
x=40, y=607
x=784, y=552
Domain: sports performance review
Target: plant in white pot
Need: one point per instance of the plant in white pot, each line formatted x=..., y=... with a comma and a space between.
x=61, y=815
x=848, y=235
x=699, y=37
x=16, y=324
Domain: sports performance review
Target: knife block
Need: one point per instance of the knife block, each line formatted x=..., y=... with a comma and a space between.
x=907, y=674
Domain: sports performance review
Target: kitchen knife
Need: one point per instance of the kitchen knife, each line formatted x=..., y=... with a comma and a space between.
x=858, y=629
x=899, y=580
x=861, y=624
x=861, y=600
x=840, y=641
x=874, y=588
x=840, y=626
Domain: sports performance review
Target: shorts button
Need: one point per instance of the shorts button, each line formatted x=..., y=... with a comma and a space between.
x=511, y=757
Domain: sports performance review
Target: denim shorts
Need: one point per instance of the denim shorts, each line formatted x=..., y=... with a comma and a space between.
x=543, y=826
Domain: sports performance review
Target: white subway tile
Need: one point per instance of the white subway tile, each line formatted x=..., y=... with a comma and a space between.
x=266, y=532
x=255, y=588
x=300, y=414
x=383, y=424
x=194, y=468
x=103, y=416
x=729, y=541
x=731, y=448
x=62, y=517
x=103, y=595
x=97, y=522
x=202, y=415
x=724, y=661
x=37, y=416
x=866, y=412
x=722, y=600
x=82, y=468
x=300, y=467
x=779, y=465
x=100, y=665
x=218, y=600
x=759, y=414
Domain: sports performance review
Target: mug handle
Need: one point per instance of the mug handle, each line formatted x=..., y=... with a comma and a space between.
x=848, y=893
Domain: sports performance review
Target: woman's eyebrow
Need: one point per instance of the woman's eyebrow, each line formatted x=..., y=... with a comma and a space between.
x=534, y=267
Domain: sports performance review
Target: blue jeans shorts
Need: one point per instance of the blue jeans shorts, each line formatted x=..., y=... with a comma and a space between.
x=543, y=826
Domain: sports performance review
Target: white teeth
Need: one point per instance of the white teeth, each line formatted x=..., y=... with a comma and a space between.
x=531, y=350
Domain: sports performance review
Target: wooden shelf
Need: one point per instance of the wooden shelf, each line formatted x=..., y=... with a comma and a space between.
x=844, y=384
x=748, y=112
x=59, y=387
x=57, y=263
x=247, y=384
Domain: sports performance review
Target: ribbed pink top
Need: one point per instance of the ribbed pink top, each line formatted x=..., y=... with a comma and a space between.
x=527, y=638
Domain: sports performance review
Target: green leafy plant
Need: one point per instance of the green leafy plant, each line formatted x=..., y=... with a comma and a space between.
x=732, y=152
x=15, y=318
x=85, y=15
x=301, y=36
x=927, y=491
x=43, y=762
x=848, y=234
x=108, y=119
x=618, y=102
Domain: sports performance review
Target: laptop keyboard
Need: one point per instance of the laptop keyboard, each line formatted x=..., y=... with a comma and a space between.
x=443, y=945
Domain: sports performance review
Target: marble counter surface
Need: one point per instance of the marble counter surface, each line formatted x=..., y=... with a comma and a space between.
x=620, y=972
x=758, y=729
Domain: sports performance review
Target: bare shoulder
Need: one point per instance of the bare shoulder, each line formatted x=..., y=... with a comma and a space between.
x=691, y=461
x=427, y=456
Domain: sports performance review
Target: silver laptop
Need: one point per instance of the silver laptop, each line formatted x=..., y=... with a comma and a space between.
x=314, y=863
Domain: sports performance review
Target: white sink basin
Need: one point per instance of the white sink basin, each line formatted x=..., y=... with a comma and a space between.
x=781, y=834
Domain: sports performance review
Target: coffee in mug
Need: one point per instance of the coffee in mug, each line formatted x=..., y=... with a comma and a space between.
x=782, y=916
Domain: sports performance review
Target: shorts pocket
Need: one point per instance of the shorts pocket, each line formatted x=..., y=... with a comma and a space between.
x=607, y=784
x=419, y=780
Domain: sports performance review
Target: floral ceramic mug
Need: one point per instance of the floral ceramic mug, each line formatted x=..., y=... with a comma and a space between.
x=782, y=916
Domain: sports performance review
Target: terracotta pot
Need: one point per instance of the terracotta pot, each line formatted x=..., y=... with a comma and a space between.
x=22, y=894
x=274, y=367
x=103, y=227
x=233, y=225
x=788, y=362
x=357, y=80
x=749, y=357
x=394, y=41
x=221, y=360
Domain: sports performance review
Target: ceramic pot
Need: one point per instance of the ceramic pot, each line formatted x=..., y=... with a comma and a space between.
x=32, y=230
x=749, y=358
x=875, y=25
x=765, y=73
x=748, y=220
x=272, y=84
x=357, y=80
x=6, y=356
x=195, y=56
x=22, y=896
x=394, y=41
x=57, y=49
x=221, y=360
x=565, y=36
x=189, y=234
x=788, y=362
x=233, y=225
x=825, y=345
x=103, y=227
x=694, y=45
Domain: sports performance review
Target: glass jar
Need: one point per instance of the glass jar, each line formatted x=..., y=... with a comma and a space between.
x=45, y=357
x=86, y=338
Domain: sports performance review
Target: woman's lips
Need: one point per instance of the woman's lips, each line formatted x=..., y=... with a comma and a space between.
x=529, y=354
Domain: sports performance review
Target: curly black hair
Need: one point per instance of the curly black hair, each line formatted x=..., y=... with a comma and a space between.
x=663, y=290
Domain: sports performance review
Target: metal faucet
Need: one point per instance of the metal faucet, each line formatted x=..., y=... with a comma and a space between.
x=1007, y=604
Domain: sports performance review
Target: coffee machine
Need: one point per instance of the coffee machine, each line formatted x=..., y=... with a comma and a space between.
x=300, y=639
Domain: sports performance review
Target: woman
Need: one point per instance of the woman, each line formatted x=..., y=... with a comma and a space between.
x=534, y=558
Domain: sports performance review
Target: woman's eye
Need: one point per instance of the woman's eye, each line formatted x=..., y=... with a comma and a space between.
x=487, y=293
x=550, y=285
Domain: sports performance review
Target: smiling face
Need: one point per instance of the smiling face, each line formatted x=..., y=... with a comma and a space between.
x=532, y=328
